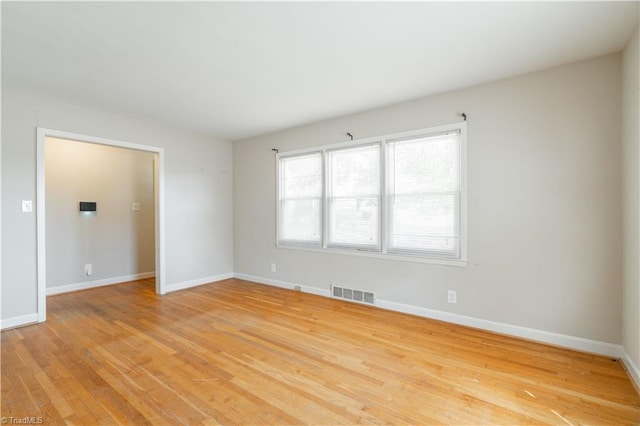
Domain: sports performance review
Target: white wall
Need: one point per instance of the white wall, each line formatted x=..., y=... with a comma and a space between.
x=631, y=195
x=544, y=201
x=198, y=184
x=115, y=240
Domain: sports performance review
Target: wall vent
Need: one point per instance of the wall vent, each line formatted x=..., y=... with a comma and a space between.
x=353, y=295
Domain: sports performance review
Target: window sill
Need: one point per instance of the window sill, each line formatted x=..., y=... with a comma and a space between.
x=383, y=256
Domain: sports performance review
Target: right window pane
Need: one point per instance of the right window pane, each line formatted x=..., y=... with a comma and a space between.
x=424, y=195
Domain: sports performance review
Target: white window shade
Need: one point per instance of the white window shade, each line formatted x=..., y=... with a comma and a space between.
x=424, y=195
x=300, y=198
x=353, y=197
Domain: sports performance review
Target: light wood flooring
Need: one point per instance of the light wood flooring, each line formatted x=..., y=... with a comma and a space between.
x=235, y=352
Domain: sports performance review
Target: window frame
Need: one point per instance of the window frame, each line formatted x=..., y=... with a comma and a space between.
x=328, y=197
x=455, y=254
x=279, y=202
x=383, y=211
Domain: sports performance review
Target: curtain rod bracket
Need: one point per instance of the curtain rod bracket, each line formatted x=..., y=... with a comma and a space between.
x=464, y=116
x=274, y=150
x=350, y=135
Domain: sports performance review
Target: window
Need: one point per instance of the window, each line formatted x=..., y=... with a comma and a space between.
x=353, y=197
x=300, y=206
x=424, y=195
x=397, y=196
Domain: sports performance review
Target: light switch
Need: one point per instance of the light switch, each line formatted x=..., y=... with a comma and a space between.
x=27, y=206
x=135, y=207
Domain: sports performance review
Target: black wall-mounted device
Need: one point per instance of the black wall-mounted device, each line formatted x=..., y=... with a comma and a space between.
x=88, y=206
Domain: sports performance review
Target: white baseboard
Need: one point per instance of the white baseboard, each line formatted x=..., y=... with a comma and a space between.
x=571, y=342
x=18, y=321
x=283, y=284
x=631, y=368
x=98, y=283
x=199, y=281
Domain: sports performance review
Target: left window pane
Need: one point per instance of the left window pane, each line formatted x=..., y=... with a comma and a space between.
x=300, y=199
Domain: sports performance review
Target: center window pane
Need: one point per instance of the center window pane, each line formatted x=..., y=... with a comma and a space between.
x=354, y=197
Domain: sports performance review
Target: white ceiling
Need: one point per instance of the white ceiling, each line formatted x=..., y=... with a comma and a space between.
x=235, y=70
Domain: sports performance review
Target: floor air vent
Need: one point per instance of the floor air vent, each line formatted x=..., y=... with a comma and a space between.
x=352, y=295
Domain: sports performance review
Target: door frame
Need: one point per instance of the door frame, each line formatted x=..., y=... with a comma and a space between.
x=42, y=134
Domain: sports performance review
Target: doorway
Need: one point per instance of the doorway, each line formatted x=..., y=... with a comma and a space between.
x=158, y=187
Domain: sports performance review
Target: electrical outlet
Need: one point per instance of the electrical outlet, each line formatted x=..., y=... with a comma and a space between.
x=297, y=288
x=135, y=207
x=27, y=206
x=88, y=269
x=273, y=267
x=452, y=296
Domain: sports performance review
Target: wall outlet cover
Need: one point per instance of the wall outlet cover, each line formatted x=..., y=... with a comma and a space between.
x=27, y=206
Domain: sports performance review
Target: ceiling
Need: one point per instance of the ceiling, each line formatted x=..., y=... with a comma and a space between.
x=235, y=70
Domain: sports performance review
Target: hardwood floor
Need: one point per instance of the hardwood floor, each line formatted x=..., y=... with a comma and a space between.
x=235, y=352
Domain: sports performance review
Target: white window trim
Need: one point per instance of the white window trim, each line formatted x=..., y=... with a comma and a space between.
x=383, y=253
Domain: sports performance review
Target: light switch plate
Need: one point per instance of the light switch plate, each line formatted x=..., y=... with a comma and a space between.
x=27, y=206
x=135, y=207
